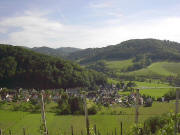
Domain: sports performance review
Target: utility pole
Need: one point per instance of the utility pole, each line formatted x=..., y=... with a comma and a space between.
x=86, y=114
x=45, y=131
x=137, y=106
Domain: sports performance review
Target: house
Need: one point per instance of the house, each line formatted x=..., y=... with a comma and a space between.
x=141, y=101
x=56, y=97
x=27, y=99
x=9, y=98
x=34, y=96
x=163, y=99
x=118, y=100
x=72, y=91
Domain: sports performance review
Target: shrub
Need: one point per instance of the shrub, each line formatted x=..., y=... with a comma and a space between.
x=92, y=110
x=170, y=95
x=157, y=125
x=26, y=107
x=70, y=105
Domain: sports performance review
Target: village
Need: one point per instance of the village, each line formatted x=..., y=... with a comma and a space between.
x=106, y=96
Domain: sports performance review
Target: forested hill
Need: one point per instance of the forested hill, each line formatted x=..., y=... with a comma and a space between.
x=62, y=51
x=20, y=67
x=154, y=49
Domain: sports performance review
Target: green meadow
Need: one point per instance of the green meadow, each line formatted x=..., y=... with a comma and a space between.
x=106, y=120
x=159, y=68
x=119, y=65
x=155, y=69
x=151, y=91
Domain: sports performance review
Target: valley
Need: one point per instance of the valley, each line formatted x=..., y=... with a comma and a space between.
x=109, y=77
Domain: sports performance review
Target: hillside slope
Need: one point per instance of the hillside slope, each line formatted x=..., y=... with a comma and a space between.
x=164, y=68
x=156, y=50
x=21, y=67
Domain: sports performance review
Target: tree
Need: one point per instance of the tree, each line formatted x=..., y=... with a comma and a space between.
x=63, y=105
x=76, y=105
x=7, y=67
x=130, y=84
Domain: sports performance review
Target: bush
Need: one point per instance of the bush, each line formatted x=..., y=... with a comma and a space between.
x=159, y=99
x=157, y=125
x=170, y=95
x=25, y=107
x=70, y=105
x=1, y=104
x=92, y=110
x=64, y=110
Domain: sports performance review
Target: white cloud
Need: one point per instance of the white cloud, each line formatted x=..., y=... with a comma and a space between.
x=103, y=4
x=36, y=30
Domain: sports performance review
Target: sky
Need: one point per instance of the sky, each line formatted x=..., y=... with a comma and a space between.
x=87, y=23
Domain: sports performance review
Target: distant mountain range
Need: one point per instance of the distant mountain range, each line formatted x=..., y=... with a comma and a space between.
x=62, y=51
x=156, y=50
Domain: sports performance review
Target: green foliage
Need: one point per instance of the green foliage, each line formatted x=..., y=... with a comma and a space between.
x=24, y=68
x=140, y=61
x=25, y=107
x=99, y=66
x=170, y=95
x=70, y=105
x=93, y=109
x=136, y=129
x=58, y=52
x=76, y=105
x=14, y=120
x=7, y=67
x=131, y=84
x=159, y=125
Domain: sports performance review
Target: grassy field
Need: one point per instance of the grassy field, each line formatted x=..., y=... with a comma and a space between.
x=157, y=92
x=159, y=68
x=118, y=65
x=155, y=69
x=61, y=124
x=154, y=92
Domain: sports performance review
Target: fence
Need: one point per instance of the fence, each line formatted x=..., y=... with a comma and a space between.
x=91, y=127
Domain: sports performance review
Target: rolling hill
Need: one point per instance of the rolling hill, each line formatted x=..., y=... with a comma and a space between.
x=24, y=68
x=156, y=50
x=145, y=58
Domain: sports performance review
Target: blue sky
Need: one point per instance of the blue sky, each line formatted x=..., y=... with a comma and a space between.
x=87, y=23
